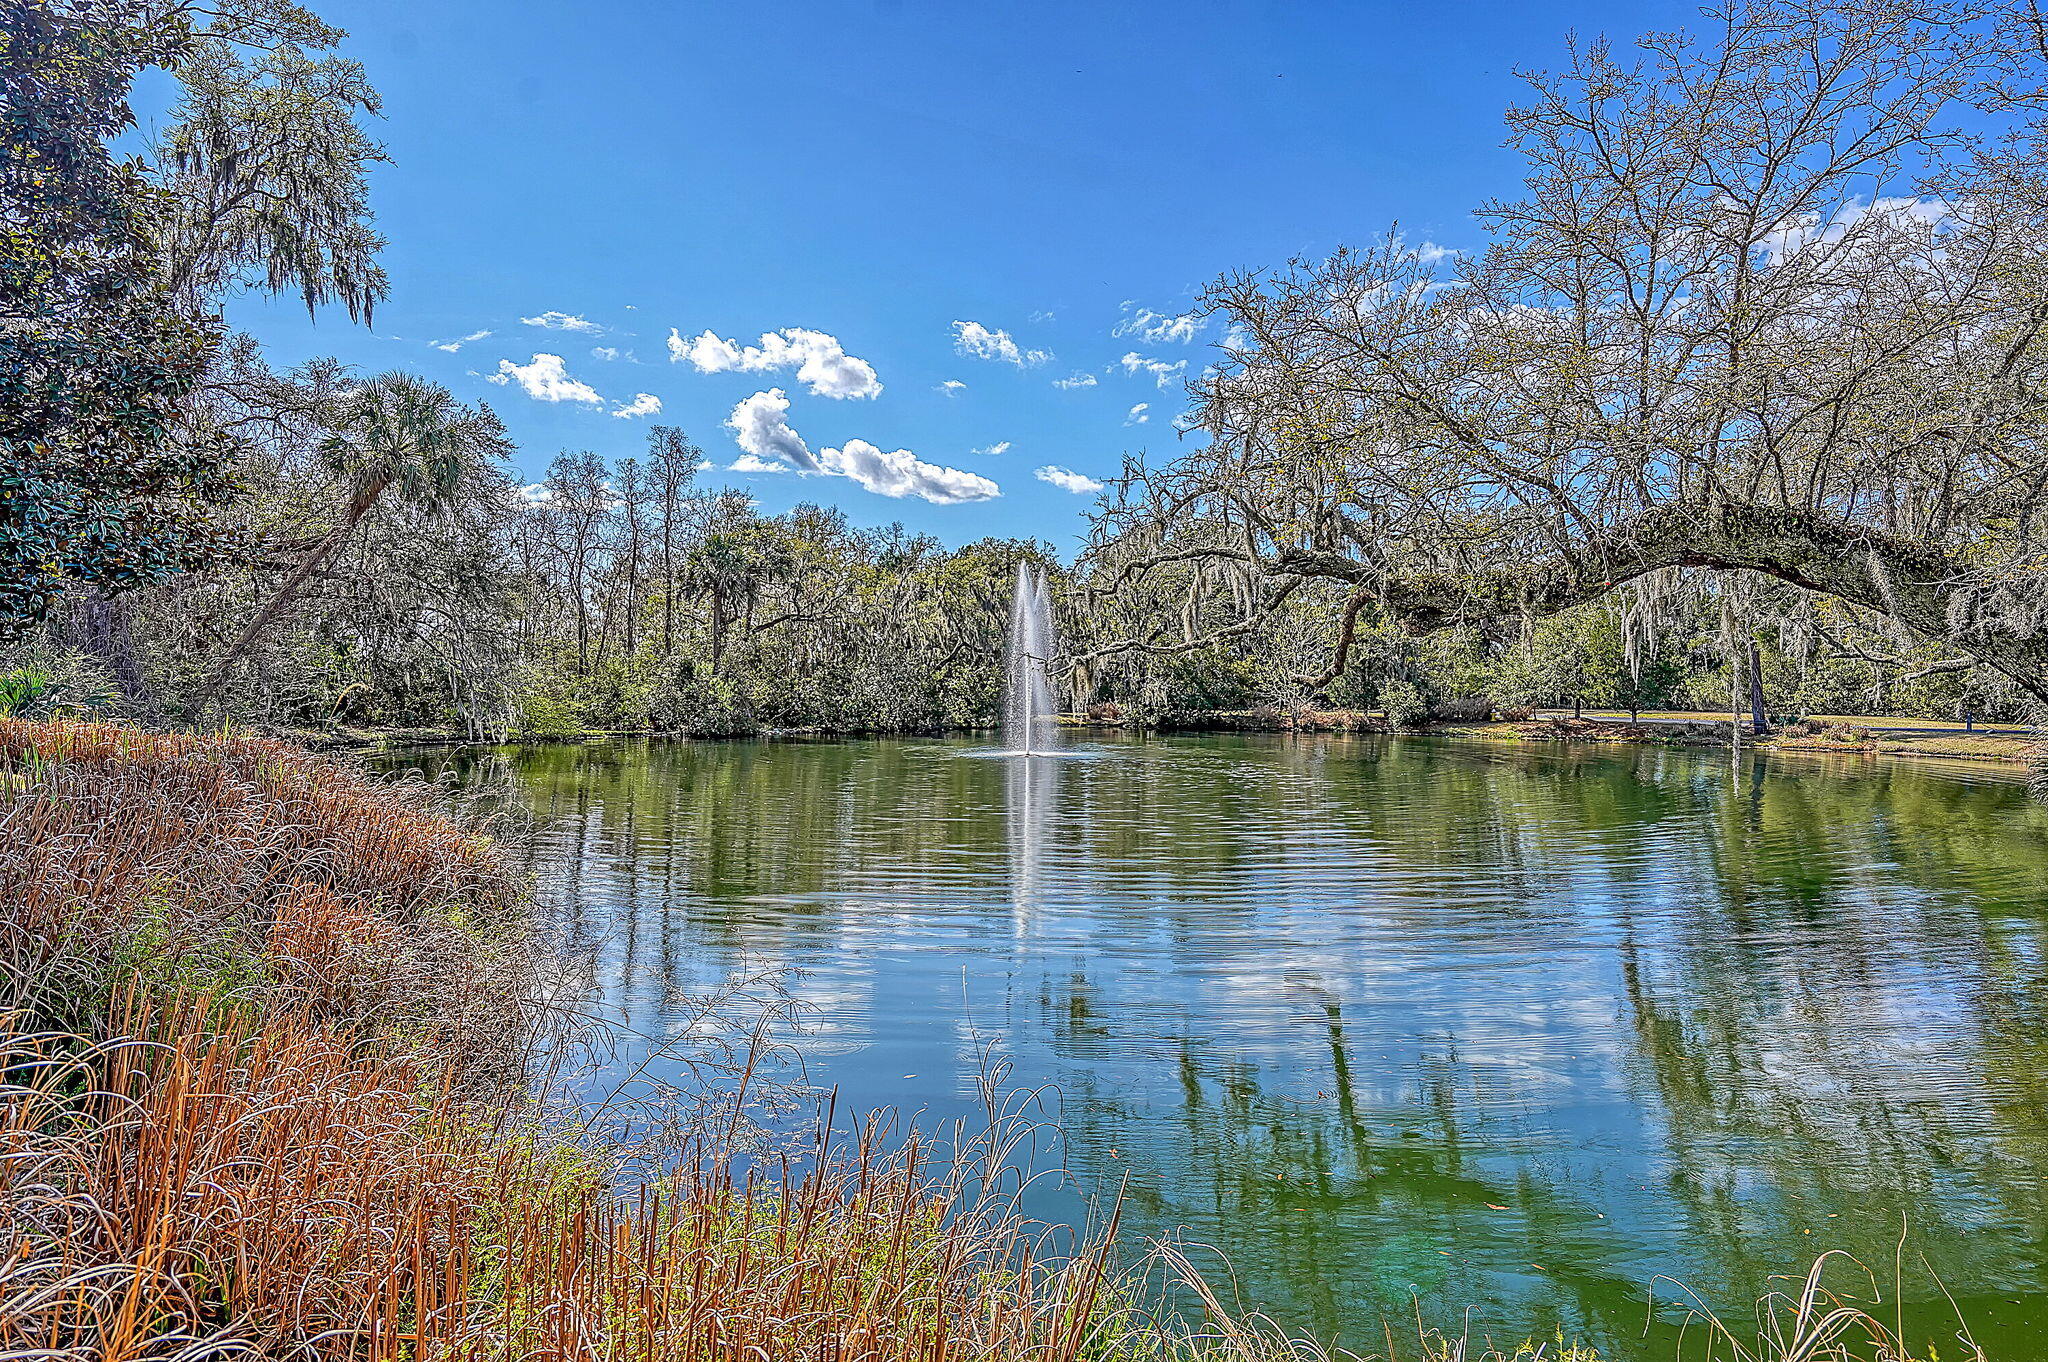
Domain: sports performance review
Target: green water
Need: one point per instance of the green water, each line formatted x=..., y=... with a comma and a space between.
x=1503, y=1027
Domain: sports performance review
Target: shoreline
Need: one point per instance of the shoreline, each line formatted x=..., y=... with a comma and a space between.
x=2001, y=746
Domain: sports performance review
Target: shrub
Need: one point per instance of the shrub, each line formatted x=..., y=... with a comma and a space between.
x=36, y=691
x=704, y=705
x=1404, y=704
x=538, y=716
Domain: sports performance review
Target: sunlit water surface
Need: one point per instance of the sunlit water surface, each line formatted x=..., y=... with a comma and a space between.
x=1508, y=1027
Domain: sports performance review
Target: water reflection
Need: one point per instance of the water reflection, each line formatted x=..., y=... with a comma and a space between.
x=1031, y=791
x=1505, y=1026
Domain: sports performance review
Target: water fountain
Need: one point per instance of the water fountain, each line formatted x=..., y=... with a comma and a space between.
x=1029, y=726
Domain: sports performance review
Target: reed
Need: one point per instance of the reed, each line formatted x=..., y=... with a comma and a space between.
x=227, y=1180
x=253, y=870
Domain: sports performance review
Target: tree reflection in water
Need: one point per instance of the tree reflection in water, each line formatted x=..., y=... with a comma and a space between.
x=1504, y=1026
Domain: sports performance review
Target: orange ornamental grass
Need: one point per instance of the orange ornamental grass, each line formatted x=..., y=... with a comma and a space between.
x=220, y=1183
x=254, y=869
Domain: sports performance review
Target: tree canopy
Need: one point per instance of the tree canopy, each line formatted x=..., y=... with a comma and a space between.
x=1771, y=300
x=113, y=468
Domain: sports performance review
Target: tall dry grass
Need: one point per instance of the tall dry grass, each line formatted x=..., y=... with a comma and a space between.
x=253, y=870
x=263, y=1058
x=273, y=1187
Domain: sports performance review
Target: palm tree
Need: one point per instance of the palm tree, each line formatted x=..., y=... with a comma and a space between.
x=397, y=436
x=729, y=567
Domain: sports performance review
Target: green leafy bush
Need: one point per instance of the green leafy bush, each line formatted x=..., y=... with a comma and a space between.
x=35, y=692
x=1404, y=704
x=703, y=704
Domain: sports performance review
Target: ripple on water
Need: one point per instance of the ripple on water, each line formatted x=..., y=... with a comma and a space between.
x=1345, y=1006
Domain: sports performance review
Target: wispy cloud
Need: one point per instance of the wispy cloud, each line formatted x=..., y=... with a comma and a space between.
x=1067, y=480
x=643, y=404
x=604, y=352
x=952, y=387
x=821, y=363
x=545, y=379
x=451, y=346
x=999, y=447
x=1075, y=381
x=1138, y=415
x=972, y=338
x=1162, y=372
x=1158, y=328
x=562, y=321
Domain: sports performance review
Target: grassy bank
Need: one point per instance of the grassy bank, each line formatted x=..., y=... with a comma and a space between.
x=268, y=1092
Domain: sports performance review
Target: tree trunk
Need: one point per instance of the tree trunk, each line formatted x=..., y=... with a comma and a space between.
x=1921, y=587
x=99, y=625
x=358, y=506
x=1757, y=718
x=718, y=627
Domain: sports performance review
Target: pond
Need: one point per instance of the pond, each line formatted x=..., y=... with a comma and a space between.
x=1508, y=1027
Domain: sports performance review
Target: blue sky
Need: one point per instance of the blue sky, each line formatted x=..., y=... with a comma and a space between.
x=872, y=175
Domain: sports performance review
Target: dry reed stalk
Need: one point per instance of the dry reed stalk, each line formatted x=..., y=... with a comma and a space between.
x=244, y=866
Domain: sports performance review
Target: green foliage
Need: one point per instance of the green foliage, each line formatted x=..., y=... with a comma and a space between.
x=1403, y=702
x=703, y=704
x=98, y=482
x=39, y=680
x=36, y=693
x=546, y=714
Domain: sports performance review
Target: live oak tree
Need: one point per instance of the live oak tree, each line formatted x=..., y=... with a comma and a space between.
x=1761, y=307
x=112, y=367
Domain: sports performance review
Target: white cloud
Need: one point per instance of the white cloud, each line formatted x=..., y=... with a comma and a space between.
x=1075, y=381
x=952, y=387
x=1137, y=415
x=545, y=379
x=1043, y=314
x=643, y=404
x=899, y=473
x=1857, y=219
x=821, y=363
x=972, y=338
x=999, y=447
x=451, y=346
x=562, y=321
x=1429, y=253
x=455, y=345
x=1159, y=328
x=761, y=425
x=1162, y=372
x=1067, y=479
x=605, y=352
x=769, y=444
